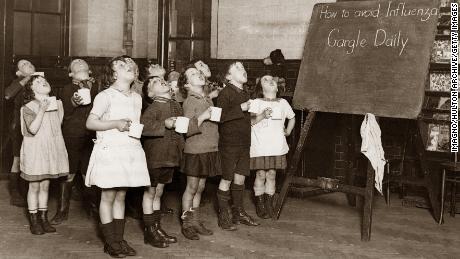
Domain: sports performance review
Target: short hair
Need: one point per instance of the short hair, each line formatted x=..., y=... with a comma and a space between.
x=29, y=94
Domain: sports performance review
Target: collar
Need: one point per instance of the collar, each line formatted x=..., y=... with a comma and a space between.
x=161, y=99
x=84, y=83
x=270, y=99
x=237, y=89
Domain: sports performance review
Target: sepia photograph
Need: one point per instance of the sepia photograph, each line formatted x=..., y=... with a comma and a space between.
x=229, y=129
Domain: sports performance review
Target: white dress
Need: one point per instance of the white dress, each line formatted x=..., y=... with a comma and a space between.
x=117, y=160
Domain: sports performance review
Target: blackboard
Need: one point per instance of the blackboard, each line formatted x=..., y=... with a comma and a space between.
x=367, y=57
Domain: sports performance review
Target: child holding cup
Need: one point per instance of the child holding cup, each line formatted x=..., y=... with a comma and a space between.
x=163, y=145
x=268, y=141
x=201, y=158
x=76, y=99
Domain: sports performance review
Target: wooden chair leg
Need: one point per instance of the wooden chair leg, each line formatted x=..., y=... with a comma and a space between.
x=367, y=208
x=453, y=199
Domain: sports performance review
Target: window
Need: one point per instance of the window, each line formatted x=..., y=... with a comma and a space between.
x=40, y=27
x=189, y=32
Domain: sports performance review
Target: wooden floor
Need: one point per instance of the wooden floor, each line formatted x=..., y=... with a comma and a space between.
x=320, y=227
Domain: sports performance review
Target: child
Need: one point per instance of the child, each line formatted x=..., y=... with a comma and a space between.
x=163, y=148
x=78, y=139
x=118, y=160
x=234, y=144
x=43, y=153
x=200, y=153
x=14, y=92
x=211, y=88
x=268, y=141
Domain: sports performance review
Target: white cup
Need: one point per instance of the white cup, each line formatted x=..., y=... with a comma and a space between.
x=85, y=94
x=135, y=130
x=182, y=124
x=276, y=113
x=53, y=104
x=216, y=112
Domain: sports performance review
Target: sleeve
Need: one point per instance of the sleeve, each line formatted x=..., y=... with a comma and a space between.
x=28, y=116
x=255, y=107
x=191, y=112
x=60, y=110
x=100, y=104
x=153, y=125
x=65, y=96
x=230, y=111
x=288, y=110
x=12, y=90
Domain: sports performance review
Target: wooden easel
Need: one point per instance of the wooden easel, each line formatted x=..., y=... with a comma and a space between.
x=328, y=184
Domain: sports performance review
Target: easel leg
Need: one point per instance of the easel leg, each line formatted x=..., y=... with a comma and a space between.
x=367, y=208
x=294, y=162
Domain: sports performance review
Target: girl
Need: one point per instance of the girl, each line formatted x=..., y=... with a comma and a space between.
x=43, y=155
x=234, y=144
x=118, y=160
x=268, y=141
x=200, y=152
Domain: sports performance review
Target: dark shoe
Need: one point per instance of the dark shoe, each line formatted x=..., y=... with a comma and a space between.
x=261, y=211
x=113, y=252
x=152, y=238
x=111, y=246
x=198, y=224
x=269, y=205
x=188, y=229
x=63, y=203
x=35, y=226
x=167, y=238
x=240, y=216
x=46, y=226
x=190, y=233
x=224, y=221
x=126, y=249
x=119, y=231
x=15, y=197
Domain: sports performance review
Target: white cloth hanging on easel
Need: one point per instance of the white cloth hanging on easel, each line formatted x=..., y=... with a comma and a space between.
x=371, y=147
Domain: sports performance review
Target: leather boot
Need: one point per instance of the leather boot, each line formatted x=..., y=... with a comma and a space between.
x=151, y=235
x=63, y=203
x=111, y=246
x=16, y=199
x=261, y=210
x=269, y=205
x=187, y=227
x=35, y=226
x=46, y=226
x=240, y=216
x=157, y=223
x=119, y=225
x=224, y=220
x=198, y=224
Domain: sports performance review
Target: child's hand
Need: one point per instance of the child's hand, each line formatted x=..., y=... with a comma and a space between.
x=123, y=125
x=77, y=99
x=170, y=123
x=206, y=115
x=267, y=113
x=287, y=133
x=214, y=94
x=246, y=106
x=43, y=106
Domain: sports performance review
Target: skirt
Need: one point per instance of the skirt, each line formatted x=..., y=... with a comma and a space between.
x=268, y=162
x=113, y=165
x=202, y=165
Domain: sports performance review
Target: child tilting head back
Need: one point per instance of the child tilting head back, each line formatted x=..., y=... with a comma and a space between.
x=234, y=144
x=43, y=153
x=268, y=141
